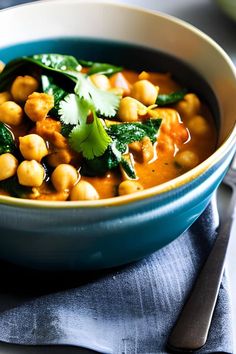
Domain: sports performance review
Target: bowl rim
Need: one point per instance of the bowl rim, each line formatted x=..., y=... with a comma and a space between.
x=149, y=192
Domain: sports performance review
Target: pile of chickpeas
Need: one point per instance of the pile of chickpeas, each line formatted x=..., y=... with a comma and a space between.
x=23, y=102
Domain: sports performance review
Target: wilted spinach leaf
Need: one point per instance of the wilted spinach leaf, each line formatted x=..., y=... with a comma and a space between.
x=171, y=98
x=6, y=140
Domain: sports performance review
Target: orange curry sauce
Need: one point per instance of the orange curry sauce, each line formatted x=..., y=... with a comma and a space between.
x=177, y=133
x=174, y=135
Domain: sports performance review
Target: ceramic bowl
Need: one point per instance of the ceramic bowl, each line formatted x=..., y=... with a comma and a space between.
x=111, y=232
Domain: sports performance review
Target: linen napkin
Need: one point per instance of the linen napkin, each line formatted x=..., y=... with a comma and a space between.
x=127, y=310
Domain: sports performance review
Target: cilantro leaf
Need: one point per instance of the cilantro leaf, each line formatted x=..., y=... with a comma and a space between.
x=73, y=110
x=104, y=102
x=90, y=139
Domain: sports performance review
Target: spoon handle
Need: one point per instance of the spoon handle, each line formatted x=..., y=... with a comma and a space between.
x=191, y=329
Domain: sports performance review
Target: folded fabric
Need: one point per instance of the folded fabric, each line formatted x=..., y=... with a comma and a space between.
x=127, y=310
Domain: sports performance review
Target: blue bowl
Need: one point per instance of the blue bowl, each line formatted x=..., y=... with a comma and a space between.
x=106, y=233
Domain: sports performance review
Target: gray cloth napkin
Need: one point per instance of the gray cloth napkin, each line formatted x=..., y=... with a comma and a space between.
x=126, y=310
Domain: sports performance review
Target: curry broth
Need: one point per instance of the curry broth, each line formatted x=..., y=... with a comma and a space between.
x=176, y=134
x=163, y=168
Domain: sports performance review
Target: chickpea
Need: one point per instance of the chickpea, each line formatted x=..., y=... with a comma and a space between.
x=11, y=113
x=64, y=177
x=198, y=125
x=83, y=191
x=130, y=109
x=145, y=92
x=187, y=159
x=100, y=81
x=129, y=187
x=4, y=97
x=38, y=105
x=30, y=173
x=8, y=166
x=32, y=147
x=189, y=106
x=22, y=87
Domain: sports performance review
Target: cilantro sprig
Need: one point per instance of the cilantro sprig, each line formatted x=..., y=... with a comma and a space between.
x=73, y=105
x=88, y=137
x=104, y=102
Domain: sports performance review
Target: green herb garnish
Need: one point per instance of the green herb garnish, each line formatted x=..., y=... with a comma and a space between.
x=6, y=140
x=49, y=86
x=103, y=68
x=116, y=154
x=171, y=98
x=88, y=137
x=104, y=102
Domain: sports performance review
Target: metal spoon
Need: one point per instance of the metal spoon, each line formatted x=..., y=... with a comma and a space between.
x=191, y=329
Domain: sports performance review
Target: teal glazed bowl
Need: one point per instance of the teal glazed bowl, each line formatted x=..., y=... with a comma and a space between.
x=106, y=233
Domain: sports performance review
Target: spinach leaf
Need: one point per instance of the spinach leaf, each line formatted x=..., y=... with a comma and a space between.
x=128, y=167
x=171, y=98
x=9, y=72
x=49, y=86
x=97, y=166
x=103, y=68
x=57, y=63
x=86, y=63
x=14, y=188
x=127, y=133
x=116, y=153
x=100, y=68
x=64, y=64
x=6, y=140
